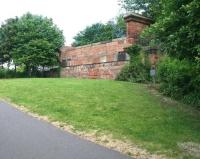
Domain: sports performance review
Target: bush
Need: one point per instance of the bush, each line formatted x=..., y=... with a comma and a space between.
x=134, y=73
x=21, y=73
x=180, y=80
x=138, y=68
x=7, y=73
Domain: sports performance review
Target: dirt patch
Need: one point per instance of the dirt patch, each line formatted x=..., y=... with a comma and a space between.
x=125, y=147
x=190, y=148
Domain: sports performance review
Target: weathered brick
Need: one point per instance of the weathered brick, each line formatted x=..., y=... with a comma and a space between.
x=99, y=60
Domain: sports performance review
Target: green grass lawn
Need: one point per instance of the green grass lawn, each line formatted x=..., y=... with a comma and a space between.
x=119, y=108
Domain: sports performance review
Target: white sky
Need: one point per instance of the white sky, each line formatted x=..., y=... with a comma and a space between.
x=71, y=16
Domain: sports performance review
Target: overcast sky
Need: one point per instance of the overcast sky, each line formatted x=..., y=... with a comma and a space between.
x=71, y=16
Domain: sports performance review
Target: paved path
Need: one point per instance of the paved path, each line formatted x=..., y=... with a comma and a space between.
x=24, y=137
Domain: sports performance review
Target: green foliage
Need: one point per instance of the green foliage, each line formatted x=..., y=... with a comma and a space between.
x=176, y=32
x=8, y=73
x=4, y=73
x=133, y=51
x=31, y=40
x=138, y=68
x=176, y=25
x=177, y=28
x=180, y=79
x=149, y=8
x=134, y=73
x=101, y=32
x=7, y=35
x=20, y=73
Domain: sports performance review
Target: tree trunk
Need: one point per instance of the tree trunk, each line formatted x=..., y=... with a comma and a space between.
x=28, y=70
x=42, y=71
x=8, y=65
x=15, y=71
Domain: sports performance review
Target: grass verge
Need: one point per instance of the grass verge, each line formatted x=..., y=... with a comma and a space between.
x=125, y=110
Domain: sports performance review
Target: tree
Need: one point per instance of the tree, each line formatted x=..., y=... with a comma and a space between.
x=149, y=8
x=177, y=28
x=7, y=33
x=101, y=32
x=31, y=40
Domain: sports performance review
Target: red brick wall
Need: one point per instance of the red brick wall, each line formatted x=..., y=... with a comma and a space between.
x=100, y=60
x=94, y=71
x=95, y=53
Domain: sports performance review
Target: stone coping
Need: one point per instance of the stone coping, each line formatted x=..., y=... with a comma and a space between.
x=69, y=48
x=138, y=18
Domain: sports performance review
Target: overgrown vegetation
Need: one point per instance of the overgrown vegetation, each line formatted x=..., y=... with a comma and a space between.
x=176, y=32
x=134, y=114
x=180, y=79
x=101, y=32
x=138, y=68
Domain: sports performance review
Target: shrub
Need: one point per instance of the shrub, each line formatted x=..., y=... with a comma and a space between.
x=5, y=73
x=133, y=73
x=10, y=73
x=138, y=68
x=2, y=73
x=180, y=80
x=21, y=73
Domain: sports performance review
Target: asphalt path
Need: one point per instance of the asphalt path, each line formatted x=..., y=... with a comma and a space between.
x=25, y=137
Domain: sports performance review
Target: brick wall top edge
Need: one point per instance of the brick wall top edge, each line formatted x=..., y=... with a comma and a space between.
x=67, y=48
